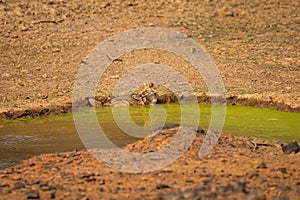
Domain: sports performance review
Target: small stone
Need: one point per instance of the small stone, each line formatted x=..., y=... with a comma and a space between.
x=208, y=180
x=292, y=147
x=281, y=198
x=19, y=185
x=288, y=88
x=189, y=181
x=31, y=164
x=101, y=182
x=42, y=184
x=225, y=188
x=45, y=188
x=24, y=28
x=6, y=75
x=283, y=170
x=241, y=186
x=162, y=186
x=33, y=194
x=87, y=175
x=140, y=189
x=114, y=190
x=21, y=84
x=71, y=155
x=284, y=188
x=56, y=50
x=262, y=165
x=114, y=76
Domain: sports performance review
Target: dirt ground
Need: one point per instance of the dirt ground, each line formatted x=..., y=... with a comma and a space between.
x=255, y=45
x=237, y=168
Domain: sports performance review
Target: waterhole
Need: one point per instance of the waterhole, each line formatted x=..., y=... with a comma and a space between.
x=23, y=138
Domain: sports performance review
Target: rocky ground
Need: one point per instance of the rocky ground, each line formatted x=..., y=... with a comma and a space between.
x=237, y=168
x=255, y=45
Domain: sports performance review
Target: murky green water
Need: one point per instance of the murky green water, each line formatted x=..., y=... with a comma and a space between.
x=23, y=138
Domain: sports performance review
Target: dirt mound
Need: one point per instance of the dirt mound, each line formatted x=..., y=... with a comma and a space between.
x=240, y=168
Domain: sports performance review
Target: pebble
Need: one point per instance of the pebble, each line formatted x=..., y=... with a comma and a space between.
x=162, y=186
x=284, y=188
x=114, y=76
x=292, y=147
x=254, y=175
x=283, y=170
x=19, y=185
x=281, y=198
x=33, y=194
x=24, y=28
x=262, y=165
x=208, y=180
x=189, y=181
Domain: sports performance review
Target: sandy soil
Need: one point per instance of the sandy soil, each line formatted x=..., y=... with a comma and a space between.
x=254, y=44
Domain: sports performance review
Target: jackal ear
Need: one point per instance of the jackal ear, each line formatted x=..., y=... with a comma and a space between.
x=151, y=84
x=147, y=85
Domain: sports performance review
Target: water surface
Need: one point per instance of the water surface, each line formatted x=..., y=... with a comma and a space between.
x=23, y=138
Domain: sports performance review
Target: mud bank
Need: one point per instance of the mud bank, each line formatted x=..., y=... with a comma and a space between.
x=236, y=168
x=273, y=101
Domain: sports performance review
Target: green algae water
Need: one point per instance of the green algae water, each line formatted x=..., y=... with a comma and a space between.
x=23, y=138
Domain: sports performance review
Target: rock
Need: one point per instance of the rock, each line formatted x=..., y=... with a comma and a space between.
x=281, y=198
x=115, y=76
x=167, y=126
x=283, y=170
x=87, y=175
x=24, y=28
x=189, y=181
x=93, y=102
x=254, y=175
x=44, y=186
x=241, y=186
x=114, y=190
x=162, y=186
x=33, y=194
x=19, y=185
x=262, y=165
x=292, y=147
x=31, y=164
x=225, y=188
x=208, y=180
x=283, y=188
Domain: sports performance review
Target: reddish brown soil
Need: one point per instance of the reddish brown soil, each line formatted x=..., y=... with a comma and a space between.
x=234, y=169
x=255, y=45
